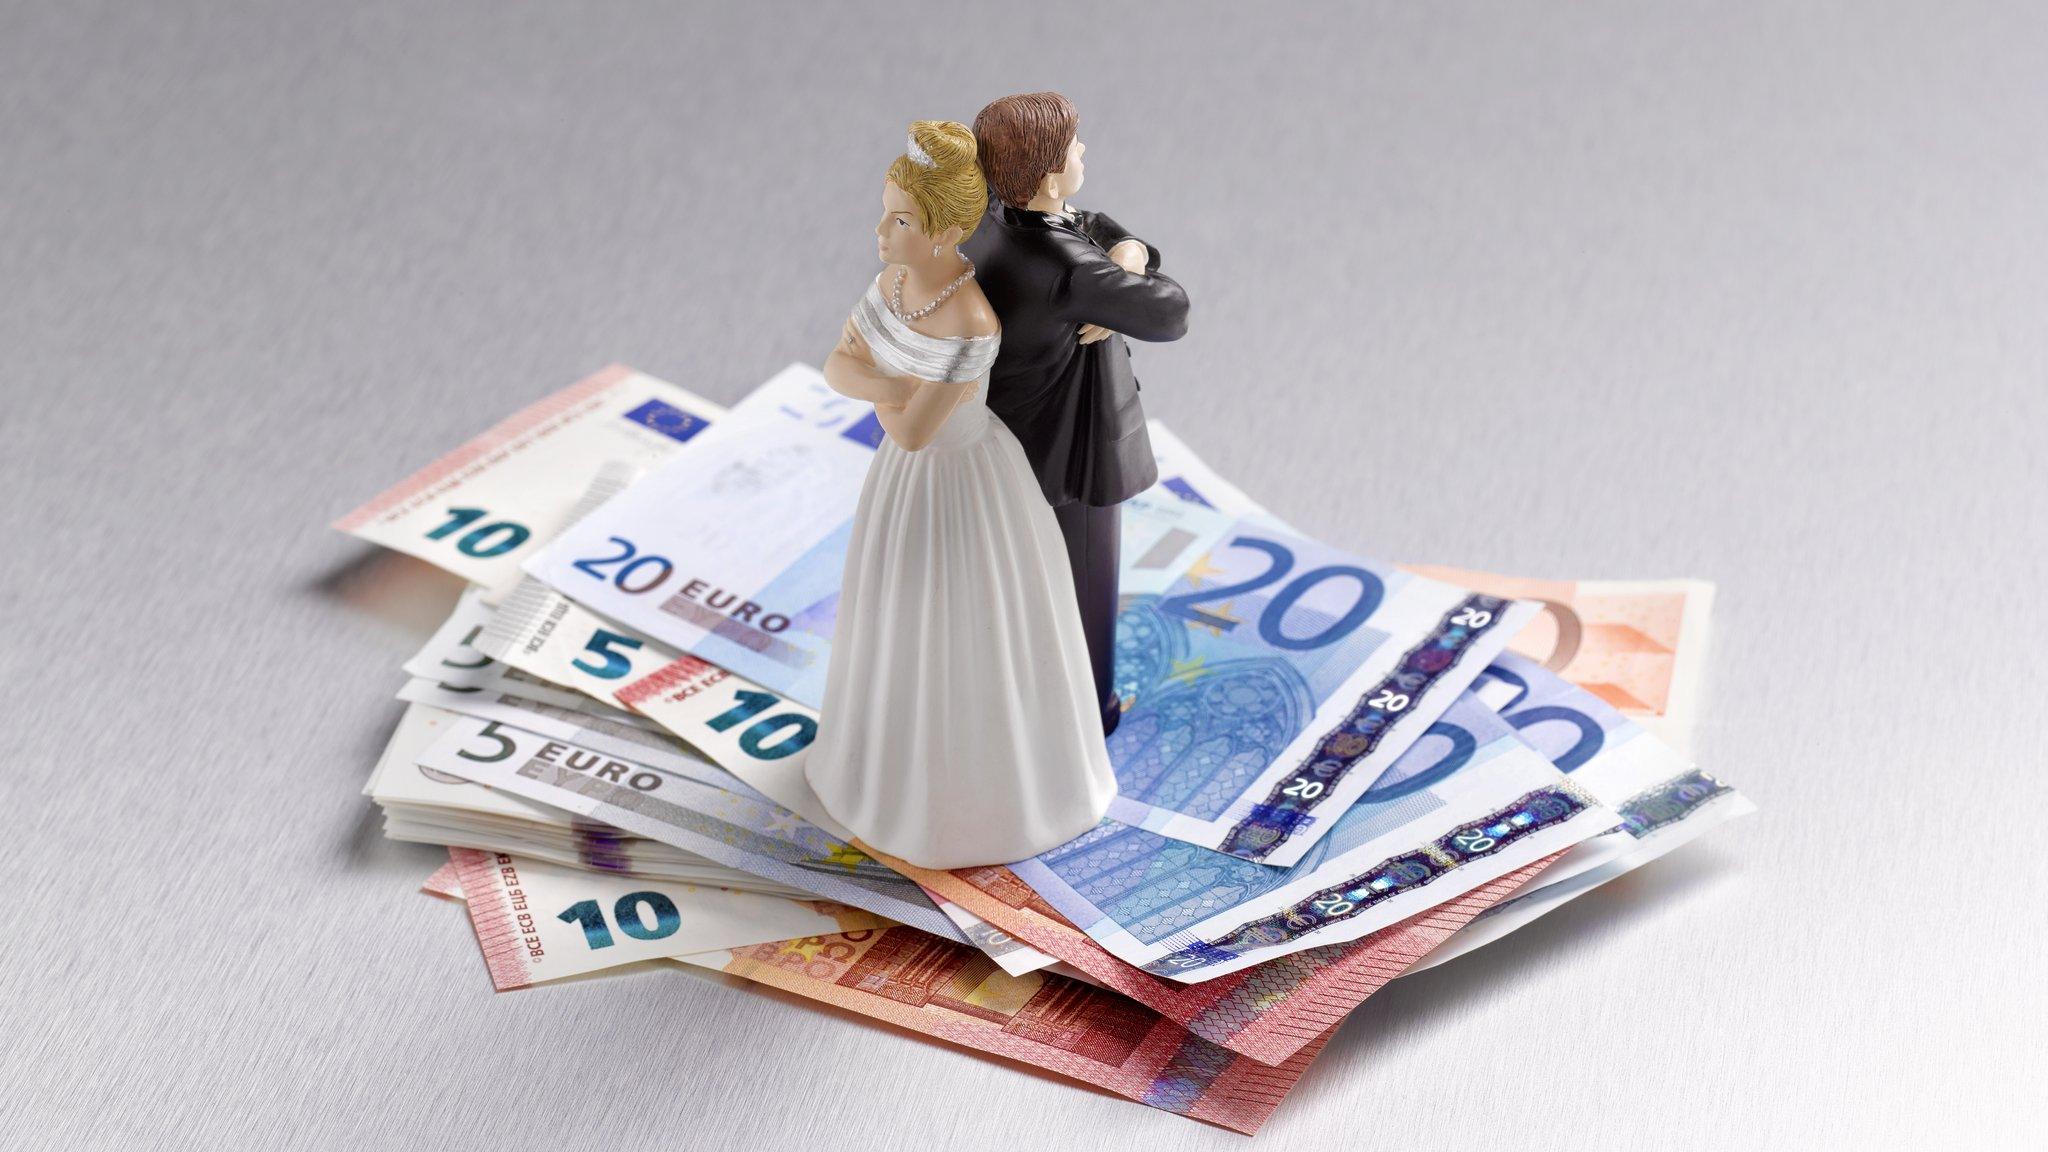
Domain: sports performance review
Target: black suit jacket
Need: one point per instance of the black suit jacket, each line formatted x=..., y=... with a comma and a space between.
x=1073, y=407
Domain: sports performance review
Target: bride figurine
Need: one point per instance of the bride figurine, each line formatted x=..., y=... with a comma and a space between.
x=959, y=724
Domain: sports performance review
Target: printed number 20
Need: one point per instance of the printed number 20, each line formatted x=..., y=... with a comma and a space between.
x=632, y=563
x=1281, y=562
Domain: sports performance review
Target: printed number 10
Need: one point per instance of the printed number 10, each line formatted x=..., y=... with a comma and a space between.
x=493, y=539
x=632, y=921
x=795, y=729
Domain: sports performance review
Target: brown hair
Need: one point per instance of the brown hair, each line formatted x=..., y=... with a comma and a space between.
x=944, y=183
x=1022, y=139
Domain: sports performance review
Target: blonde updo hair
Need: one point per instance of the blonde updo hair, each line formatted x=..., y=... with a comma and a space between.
x=950, y=192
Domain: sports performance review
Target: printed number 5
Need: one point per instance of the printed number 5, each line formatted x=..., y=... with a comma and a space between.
x=490, y=732
x=614, y=664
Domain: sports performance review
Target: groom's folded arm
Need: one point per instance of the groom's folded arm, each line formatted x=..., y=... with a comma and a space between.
x=1107, y=233
x=1142, y=307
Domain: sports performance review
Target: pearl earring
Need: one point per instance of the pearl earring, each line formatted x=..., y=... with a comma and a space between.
x=935, y=251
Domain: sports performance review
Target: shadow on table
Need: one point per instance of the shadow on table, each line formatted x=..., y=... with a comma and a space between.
x=391, y=589
x=1376, y=1030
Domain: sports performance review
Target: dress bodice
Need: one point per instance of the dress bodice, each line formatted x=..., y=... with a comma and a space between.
x=901, y=350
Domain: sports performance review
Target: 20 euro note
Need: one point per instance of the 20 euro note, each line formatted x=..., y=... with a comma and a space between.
x=1664, y=800
x=740, y=831
x=1268, y=688
x=1267, y=1012
x=951, y=992
x=1467, y=804
x=1275, y=679
x=1640, y=645
x=733, y=549
x=537, y=922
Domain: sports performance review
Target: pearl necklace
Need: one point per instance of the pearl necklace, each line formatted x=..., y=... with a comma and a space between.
x=896, y=296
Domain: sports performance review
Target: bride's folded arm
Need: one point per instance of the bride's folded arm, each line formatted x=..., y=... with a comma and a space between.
x=913, y=425
x=850, y=371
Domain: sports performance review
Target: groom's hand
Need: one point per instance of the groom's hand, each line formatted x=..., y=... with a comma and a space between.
x=1090, y=333
x=1130, y=255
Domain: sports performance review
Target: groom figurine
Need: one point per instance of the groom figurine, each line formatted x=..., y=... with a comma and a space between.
x=1068, y=286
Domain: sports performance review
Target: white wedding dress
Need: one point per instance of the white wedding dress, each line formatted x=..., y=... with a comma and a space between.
x=959, y=725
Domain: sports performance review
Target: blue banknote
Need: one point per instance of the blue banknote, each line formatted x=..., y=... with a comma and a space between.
x=1467, y=803
x=733, y=550
x=1662, y=799
x=1275, y=680
x=1659, y=794
x=1267, y=678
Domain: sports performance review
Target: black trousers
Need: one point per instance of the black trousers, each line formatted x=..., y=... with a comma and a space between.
x=1092, y=535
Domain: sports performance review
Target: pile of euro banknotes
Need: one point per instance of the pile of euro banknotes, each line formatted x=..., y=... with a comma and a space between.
x=1332, y=770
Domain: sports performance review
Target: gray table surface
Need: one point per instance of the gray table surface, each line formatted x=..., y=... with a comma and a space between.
x=1753, y=292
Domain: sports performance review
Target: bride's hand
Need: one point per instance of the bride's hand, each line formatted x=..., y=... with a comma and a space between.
x=1090, y=333
x=852, y=344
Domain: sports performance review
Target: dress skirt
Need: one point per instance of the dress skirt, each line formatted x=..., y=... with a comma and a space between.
x=959, y=726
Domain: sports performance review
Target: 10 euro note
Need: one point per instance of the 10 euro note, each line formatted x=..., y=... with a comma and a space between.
x=954, y=993
x=537, y=922
x=483, y=507
x=740, y=831
x=479, y=510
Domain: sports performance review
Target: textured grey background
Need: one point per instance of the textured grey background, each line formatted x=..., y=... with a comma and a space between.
x=1746, y=291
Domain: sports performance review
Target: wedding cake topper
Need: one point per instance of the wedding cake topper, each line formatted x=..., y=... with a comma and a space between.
x=959, y=725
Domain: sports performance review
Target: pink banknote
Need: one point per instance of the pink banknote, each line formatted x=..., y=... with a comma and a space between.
x=955, y=993
x=444, y=882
